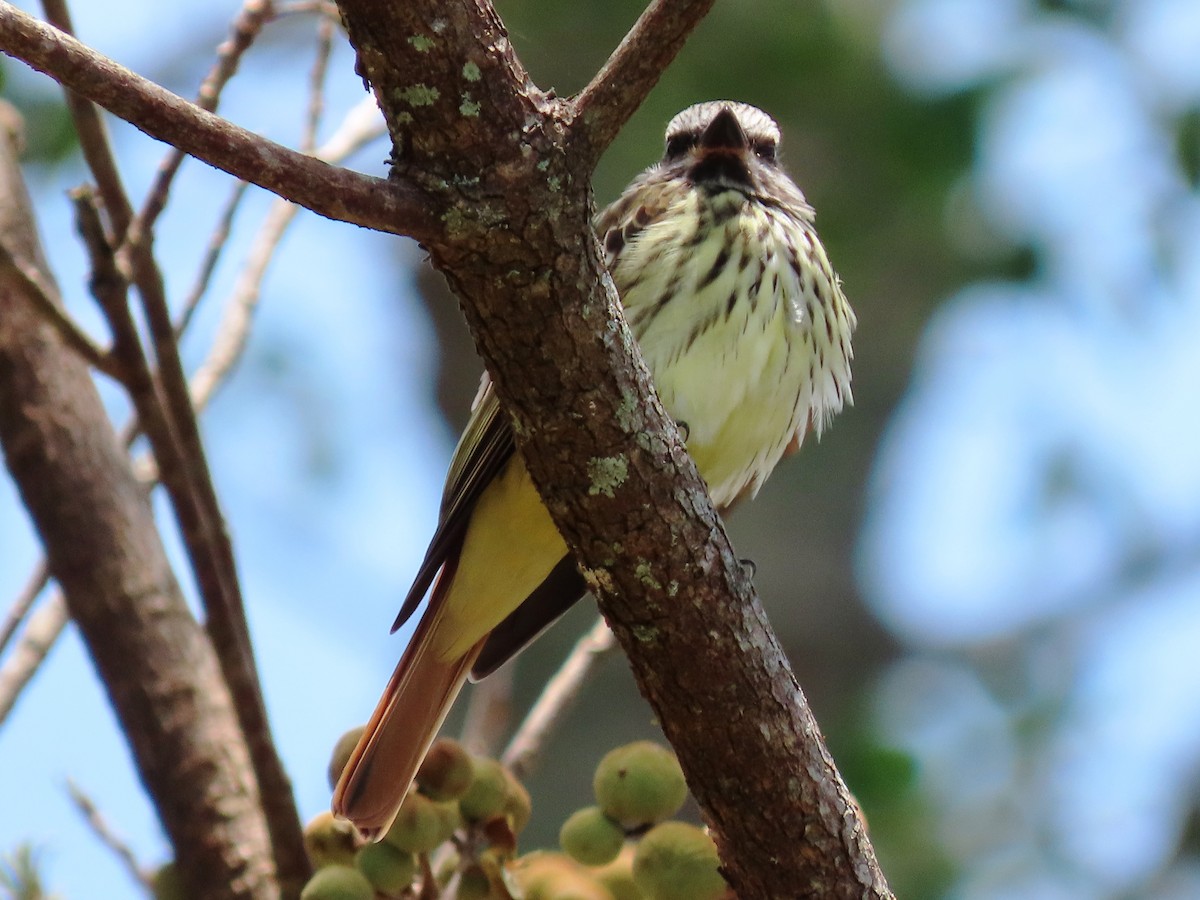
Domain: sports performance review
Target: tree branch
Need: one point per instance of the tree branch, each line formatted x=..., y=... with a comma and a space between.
x=247, y=25
x=41, y=631
x=109, y=838
x=93, y=138
x=391, y=206
x=603, y=107
x=104, y=550
x=558, y=697
x=527, y=269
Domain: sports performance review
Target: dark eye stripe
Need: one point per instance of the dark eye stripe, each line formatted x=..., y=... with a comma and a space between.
x=679, y=144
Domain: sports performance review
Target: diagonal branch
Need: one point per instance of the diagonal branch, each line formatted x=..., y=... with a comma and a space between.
x=391, y=205
x=93, y=138
x=245, y=28
x=603, y=107
x=105, y=551
x=527, y=270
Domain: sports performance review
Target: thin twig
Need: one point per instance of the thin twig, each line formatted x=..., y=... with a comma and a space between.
x=41, y=631
x=170, y=424
x=307, y=7
x=557, y=698
x=45, y=298
x=359, y=126
x=392, y=205
x=109, y=838
x=212, y=255
x=246, y=26
x=93, y=138
x=38, y=579
x=316, y=84
x=634, y=68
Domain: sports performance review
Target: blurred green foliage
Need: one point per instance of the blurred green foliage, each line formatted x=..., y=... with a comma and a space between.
x=49, y=134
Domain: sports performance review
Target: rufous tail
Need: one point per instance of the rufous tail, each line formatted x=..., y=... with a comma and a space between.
x=404, y=724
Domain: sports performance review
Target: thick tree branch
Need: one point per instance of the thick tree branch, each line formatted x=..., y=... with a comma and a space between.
x=619, y=88
x=327, y=190
x=525, y=264
x=104, y=550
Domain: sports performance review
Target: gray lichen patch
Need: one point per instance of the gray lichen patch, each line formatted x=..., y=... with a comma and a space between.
x=418, y=95
x=607, y=473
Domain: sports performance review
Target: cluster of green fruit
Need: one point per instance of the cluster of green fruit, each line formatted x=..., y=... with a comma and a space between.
x=455, y=837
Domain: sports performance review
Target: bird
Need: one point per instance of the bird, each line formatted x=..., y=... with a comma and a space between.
x=746, y=332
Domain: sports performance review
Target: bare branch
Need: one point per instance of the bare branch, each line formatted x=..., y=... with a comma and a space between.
x=384, y=205
x=245, y=28
x=23, y=603
x=558, y=698
x=105, y=551
x=619, y=88
x=212, y=255
x=93, y=138
x=527, y=269
x=109, y=838
x=316, y=84
x=45, y=297
x=360, y=125
x=42, y=630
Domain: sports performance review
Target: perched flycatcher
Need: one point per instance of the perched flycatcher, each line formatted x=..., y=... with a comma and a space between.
x=745, y=329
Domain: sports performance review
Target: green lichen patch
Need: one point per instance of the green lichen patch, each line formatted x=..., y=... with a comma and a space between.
x=607, y=473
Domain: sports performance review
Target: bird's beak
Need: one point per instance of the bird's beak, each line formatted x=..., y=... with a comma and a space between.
x=724, y=132
x=722, y=155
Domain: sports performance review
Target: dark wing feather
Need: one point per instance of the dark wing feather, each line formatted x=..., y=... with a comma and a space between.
x=487, y=445
x=561, y=590
x=483, y=450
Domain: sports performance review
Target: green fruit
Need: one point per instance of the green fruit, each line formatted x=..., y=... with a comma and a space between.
x=486, y=795
x=330, y=841
x=518, y=807
x=446, y=771
x=640, y=783
x=166, y=883
x=552, y=876
x=389, y=869
x=449, y=819
x=677, y=861
x=591, y=837
x=418, y=825
x=617, y=876
x=341, y=754
x=338, y=883
x=473, y=884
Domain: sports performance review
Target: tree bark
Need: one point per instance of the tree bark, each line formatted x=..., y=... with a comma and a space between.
x=471, y=130
x=103, y=548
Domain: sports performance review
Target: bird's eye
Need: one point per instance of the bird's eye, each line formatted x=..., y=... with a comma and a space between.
x=767, y=151
x=679, y=144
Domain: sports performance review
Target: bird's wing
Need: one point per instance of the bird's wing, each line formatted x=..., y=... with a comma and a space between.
x=483, y=450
